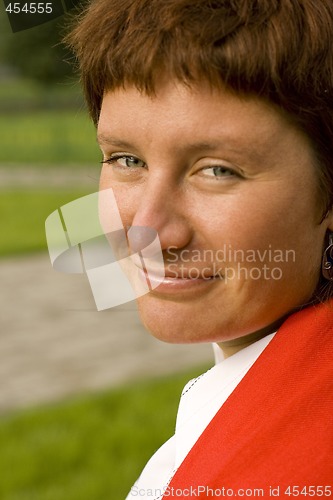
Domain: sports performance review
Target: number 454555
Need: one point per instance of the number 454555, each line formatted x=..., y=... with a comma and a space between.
x=311, y=491
x=30, y=8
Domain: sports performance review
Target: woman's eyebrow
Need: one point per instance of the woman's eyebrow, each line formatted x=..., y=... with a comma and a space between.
x=113, y=141
x=192, y=147
x=228, y=145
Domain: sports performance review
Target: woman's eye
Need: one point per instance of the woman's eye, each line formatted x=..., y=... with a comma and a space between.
x=125, y=161
x=218, y=171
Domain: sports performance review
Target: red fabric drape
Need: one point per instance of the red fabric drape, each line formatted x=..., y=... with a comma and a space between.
x=275, y=431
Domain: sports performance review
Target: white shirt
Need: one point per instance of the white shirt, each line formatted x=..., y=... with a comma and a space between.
x=200, y=401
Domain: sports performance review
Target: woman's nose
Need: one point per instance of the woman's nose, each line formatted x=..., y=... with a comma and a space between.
x=163, y=212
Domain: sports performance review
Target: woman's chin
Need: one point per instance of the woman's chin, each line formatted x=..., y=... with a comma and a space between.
x=179, y=323
x=197, y=322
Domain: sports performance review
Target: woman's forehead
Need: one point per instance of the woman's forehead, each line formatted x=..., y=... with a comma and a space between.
x=199, y=118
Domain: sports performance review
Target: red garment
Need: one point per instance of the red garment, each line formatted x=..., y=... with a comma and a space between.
x=276, y=428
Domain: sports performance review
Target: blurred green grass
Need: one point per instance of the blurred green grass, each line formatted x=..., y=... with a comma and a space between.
x=40, y=127
x=19, y=94
x=92, y=448
x=45, y=125
x=55, y=137
x=23, y=215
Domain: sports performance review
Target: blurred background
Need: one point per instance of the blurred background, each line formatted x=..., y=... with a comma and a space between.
x=85, y=397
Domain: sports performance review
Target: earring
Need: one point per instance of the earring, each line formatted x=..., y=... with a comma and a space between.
x=327, y=264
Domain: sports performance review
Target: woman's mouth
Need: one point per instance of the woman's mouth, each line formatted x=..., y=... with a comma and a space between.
x=176, y=280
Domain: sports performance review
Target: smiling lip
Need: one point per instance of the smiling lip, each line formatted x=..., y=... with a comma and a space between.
x=173, y=283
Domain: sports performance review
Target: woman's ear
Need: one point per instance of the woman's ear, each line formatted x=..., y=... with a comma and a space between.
x=327, y=219
x=330, y=219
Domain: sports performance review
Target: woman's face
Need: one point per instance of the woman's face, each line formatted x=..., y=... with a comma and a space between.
x=230, y=184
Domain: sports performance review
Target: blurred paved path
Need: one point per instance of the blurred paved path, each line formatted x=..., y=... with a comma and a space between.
x=53, y=343
x=50, y=177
